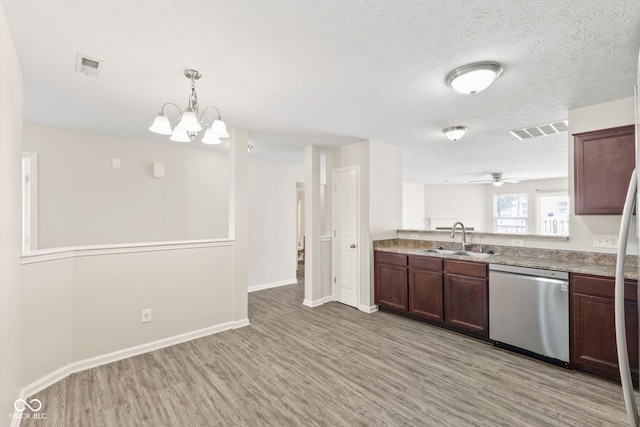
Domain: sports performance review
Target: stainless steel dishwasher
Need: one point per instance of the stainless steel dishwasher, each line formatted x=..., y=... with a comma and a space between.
x=529, y=311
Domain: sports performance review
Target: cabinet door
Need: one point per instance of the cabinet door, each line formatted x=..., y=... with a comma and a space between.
x=593, y=335
x=425, y=294
x=603, y=162
x=392, y=286
x=466, y=303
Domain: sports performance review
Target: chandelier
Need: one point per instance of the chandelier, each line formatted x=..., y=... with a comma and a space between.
x=190, y=121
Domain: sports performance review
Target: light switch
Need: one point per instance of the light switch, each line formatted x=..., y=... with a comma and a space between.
x=115, y=163
x=158, y=170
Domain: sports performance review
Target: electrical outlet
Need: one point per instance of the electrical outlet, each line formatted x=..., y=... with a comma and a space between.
x=413, y=236
x=605, y=241
x=146, y=315
x=517, y=242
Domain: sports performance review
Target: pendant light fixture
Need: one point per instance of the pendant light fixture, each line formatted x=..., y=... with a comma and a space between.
x=454, y=133
x=190, y=121
x=474, y=78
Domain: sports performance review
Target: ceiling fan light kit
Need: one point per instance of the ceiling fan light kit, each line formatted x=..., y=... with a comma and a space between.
x=497, y=179
x=191, y=121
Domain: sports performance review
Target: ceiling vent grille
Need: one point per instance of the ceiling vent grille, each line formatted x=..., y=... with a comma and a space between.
x=87, y=65
x=541, y=130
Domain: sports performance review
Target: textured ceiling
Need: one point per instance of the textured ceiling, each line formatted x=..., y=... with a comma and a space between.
x=299, y=72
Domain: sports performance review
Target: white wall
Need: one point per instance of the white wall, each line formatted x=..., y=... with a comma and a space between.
x=594, y=117
x=84, y=306
x=385, y=203
x=447, y=203
x=272, y=223
x=48, y=316
x=11, y=332
x=413, y=205
x=84, y=201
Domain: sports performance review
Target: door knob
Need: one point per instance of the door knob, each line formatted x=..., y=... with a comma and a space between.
x=352, y=246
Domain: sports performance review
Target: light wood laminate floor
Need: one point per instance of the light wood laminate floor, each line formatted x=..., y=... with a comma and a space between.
x=330, y=366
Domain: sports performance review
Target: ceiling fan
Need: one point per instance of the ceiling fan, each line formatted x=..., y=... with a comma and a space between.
x=497, y=179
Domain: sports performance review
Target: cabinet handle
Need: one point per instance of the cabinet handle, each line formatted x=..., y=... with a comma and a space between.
x=352, y=246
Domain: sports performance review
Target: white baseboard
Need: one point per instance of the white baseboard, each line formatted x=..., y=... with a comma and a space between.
x=368, y=308
x=104, y=359
x=318, y=302
x=272, y=285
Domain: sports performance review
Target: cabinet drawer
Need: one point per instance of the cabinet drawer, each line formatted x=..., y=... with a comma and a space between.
x=391, y=258
x=425, y=262
x=466, y=268
x=602, y=286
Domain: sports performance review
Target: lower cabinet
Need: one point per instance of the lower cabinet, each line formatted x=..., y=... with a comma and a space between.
x=391, y=283
x=593, y=335
x=447, y=292
x=426, y=288
x=466, y=296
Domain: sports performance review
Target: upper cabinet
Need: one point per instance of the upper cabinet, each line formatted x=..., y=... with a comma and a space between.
x=603, y=162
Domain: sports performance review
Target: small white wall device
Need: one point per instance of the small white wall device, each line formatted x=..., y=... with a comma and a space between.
x=158, y=170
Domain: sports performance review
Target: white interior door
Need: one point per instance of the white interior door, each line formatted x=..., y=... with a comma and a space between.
x=346, y=220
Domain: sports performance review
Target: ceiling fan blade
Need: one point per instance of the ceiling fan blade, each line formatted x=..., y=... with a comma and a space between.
x=482, y=181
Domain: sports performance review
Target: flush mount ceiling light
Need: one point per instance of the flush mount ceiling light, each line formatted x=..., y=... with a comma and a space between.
x=190, y=121
x=473, y=78
x=454, y=133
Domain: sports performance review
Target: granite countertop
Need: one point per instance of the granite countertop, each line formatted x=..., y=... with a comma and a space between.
x=592, y=263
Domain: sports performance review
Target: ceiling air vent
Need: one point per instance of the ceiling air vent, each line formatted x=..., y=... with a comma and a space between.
x=87, y=65
x=540, y=130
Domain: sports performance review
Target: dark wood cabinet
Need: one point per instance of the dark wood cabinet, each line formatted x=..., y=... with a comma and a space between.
x=593, y=337
x=452, y=293
x=603, y=162
x=426, y=288
x=466, y=296
x=391, y=282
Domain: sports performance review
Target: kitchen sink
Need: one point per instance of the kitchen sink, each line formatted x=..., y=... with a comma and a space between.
x=472, y=254
x=458, y=253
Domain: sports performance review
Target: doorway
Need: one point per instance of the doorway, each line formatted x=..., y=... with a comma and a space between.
x=300, y=231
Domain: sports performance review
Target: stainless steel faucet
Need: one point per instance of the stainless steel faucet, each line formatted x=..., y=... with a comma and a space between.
x=464, y=234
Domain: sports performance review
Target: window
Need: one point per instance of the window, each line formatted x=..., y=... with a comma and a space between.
x=510, y=213
x=553, y=214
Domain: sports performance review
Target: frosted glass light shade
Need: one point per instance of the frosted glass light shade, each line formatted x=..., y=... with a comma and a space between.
x=474, y=78
x=161, y=125
x=210, y=138
x=454, y=133
x=219, y=129
x=189, y=122
x=180, y=135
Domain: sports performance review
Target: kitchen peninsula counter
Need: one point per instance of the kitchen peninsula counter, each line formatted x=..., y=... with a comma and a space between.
x=592, y=263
